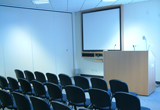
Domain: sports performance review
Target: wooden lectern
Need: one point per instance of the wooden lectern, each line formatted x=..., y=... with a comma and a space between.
x=136, y=68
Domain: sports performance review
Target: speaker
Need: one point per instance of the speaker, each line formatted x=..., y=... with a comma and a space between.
x=87, y=54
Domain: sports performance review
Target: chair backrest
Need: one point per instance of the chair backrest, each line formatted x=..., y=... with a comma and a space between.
x=22, y=101
x=38, y=88
x=126, y=101
x=25, y=85
x=54, y=91
x=39, y=104
x=75, y=94
x=60, y=106
x=19, y=73
x=13, y=83
x=65, y=79
x=81, y=82
x=99, y=97
x=40, y=76
x=52, y=78
x=29, y=75
x=118, y=86
x=99, y=83
x=6, y=98
x=4, y=84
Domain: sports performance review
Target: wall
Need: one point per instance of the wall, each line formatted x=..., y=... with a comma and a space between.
x=140, y=19
x=35, y=40
x=88, y=66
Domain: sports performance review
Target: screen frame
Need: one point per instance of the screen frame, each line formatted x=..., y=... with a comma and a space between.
x=92, y=11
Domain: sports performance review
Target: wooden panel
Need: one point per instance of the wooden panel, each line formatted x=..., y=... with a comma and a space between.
x=129, y=66
x=151, y=74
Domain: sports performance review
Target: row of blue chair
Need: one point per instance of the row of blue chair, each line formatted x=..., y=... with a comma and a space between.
x=22, y=102
x=53, y=91
x=74, y=94
x=116, y=85
x=124, y=101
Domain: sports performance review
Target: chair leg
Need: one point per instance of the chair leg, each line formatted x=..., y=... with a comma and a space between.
x=75, y=107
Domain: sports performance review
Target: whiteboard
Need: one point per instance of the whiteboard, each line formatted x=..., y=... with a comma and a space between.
x=101, y=30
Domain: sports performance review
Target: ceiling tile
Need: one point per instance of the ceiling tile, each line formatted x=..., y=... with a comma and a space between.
x=123, y=2
x=89, y=4
x=102, y=4
x=59, y=5
x=138, y=1
x=66, y=5
x=75, y=5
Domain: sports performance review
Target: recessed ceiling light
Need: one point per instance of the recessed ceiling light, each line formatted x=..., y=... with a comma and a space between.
x=40, y=1
x=109, y=0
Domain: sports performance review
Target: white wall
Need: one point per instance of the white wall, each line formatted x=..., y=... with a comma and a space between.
x=143, y=19
x=35, y=40
x=140, y=19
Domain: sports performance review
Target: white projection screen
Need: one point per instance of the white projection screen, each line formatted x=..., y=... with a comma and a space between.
x=101, y=30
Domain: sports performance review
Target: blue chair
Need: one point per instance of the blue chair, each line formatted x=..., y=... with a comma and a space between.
x=60, y=106
x=29, y=75
x=26, y=87
x=53, y=78
x=119, y=86
x=127, y=101
x=7, y=100
x=76, y=97
x=19, y=74
x=100, y=83
x=40, y=77
x=22, y=101
x=100, y=99
x=14, y=84
x=55, y=92
x=82, y=82
x=65, y=80
x=40, y=90
x=39, y=103
x=4, y=84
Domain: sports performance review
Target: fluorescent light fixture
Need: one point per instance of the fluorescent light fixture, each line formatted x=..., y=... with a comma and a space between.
x=109, y=0
x=40, y=1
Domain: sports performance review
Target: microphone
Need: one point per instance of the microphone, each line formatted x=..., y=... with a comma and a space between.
x=114, y=46
x=144, y=38
x=134, y=47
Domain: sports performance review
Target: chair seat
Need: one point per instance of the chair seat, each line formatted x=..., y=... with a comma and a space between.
x=12, y=107
x=30, y=93
x=64, y=98
x=113, y=107
x=87, y=103
x=145, y=108
x=7, y=88
x=45, y=96
x=18, y=90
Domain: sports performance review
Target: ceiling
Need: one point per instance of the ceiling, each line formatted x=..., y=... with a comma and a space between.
x=66, y=5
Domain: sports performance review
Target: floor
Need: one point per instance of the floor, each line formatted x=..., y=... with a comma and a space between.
x=153, y=100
